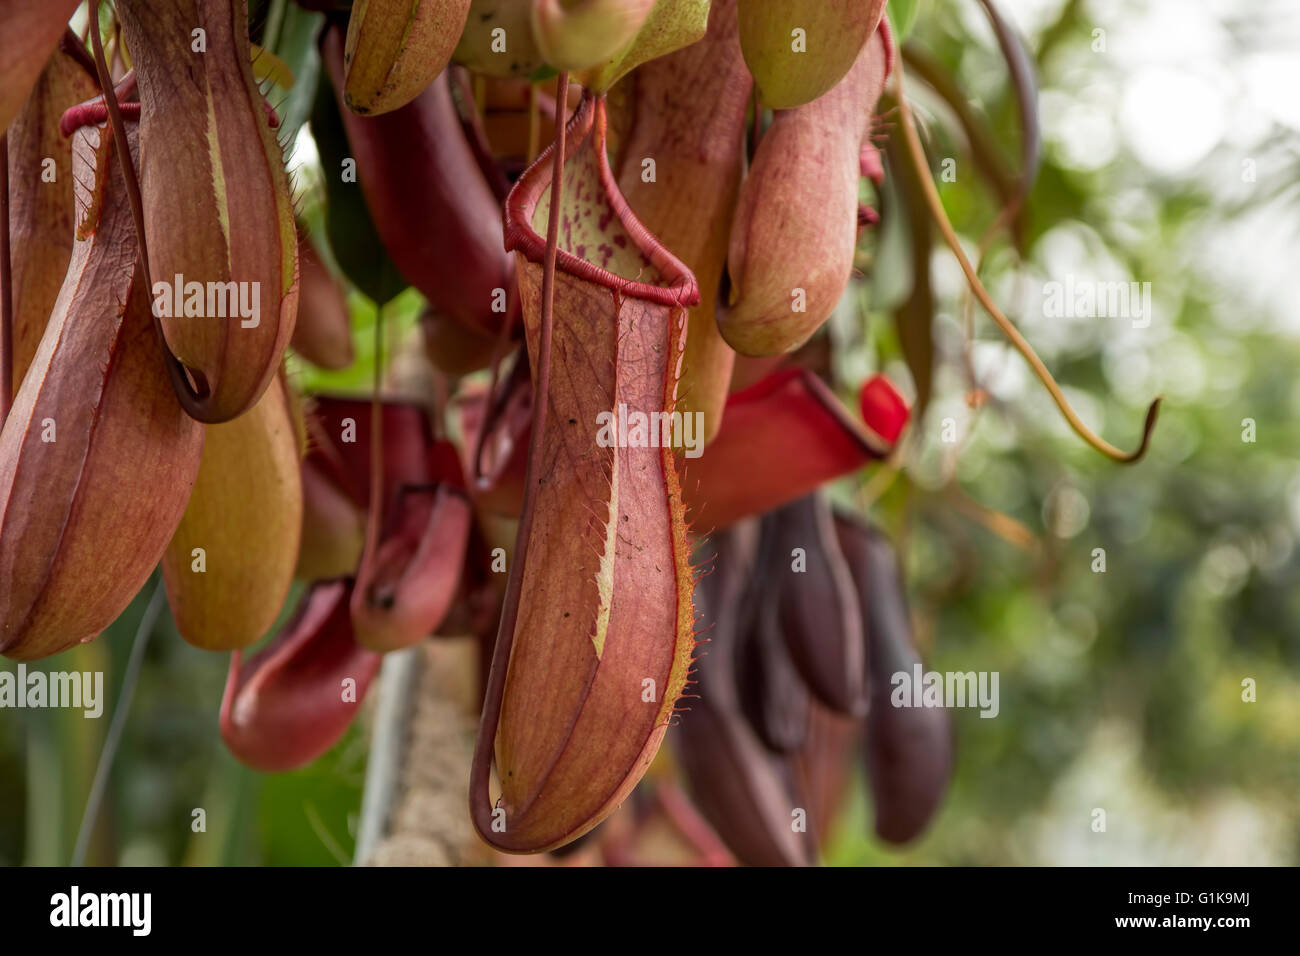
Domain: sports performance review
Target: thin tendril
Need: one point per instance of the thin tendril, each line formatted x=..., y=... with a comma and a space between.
x=912, y=146
x=479, y=796
x=108, y=754
x=375, y=518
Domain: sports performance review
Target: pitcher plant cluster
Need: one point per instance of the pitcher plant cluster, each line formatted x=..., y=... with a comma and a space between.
x=628, y=221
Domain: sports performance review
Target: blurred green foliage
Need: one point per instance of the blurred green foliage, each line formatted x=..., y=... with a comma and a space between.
x=1119, y=690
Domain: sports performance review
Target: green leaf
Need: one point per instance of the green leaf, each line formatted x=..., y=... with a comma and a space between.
x=902, y=17
x=672, y=24
x=352, y=235
x=296, y=46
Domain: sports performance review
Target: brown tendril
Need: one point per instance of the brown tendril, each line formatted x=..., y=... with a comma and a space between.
x=916, y=154
x=374, y=519
x=480, y=806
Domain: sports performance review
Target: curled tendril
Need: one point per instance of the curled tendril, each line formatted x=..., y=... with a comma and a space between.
x=916, y=154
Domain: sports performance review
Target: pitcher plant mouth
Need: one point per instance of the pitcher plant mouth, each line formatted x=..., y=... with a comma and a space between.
x=281, y=708
x=525, y=203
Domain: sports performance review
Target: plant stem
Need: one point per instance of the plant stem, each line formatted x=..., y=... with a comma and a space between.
x=479, y=796
x=912, y=146
x=374, y=522
x=984, y=149
x=119, y=134
x=120, y=712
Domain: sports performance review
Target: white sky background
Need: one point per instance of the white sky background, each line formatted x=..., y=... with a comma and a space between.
x=1193, y=88
x=1185, y=93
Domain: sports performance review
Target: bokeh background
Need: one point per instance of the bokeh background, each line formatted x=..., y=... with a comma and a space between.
x=1171, y=155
